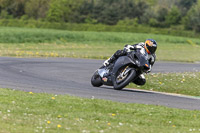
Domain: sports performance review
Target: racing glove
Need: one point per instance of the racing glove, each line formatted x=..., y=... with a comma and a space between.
x=128, y=48
x=106, y=62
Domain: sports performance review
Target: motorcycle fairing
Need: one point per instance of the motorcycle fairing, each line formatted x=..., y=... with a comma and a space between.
x=136, y=58
x=141, y=59
x=121, y=61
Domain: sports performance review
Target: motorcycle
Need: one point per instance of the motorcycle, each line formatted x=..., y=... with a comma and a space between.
x=123, y=71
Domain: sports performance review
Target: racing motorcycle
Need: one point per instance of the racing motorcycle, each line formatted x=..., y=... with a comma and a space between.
x=123, y=71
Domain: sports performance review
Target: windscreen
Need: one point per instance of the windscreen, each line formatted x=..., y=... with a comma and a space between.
x=142, y=56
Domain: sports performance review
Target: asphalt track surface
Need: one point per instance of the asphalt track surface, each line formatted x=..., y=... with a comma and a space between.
x=72, y=76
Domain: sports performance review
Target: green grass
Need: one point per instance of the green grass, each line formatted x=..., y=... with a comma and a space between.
x=180, y=83
x=173, y=30
x=25, y=42
x=31, y=35
x=33, y=112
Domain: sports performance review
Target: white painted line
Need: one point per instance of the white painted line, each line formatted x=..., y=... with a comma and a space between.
x=165, y=93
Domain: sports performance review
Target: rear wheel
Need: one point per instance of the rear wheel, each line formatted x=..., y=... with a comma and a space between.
x=96, y=80
x=123, y=78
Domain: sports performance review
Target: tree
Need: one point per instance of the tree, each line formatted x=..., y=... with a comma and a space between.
x=128, y=9
x=192, y=20
x=162, y=13
x=55, y=12
x=111, y=11
x=106, y=11
x=37, y=8
x=15, y=8
x=61, y=10
x=140, y=10
x=111, y=14
x=173, y=17
x=84, y=13
x=185, y=5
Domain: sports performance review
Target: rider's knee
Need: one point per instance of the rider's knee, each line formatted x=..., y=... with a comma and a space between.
x=140, y=80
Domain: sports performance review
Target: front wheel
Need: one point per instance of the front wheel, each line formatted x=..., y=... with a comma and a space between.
x=121, y=80
x=96, y=80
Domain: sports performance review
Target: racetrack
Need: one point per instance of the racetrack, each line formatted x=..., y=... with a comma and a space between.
x=72, y=76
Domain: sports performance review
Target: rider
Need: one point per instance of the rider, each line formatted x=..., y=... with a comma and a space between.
x=149, y=45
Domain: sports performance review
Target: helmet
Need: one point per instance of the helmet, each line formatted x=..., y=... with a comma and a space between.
x=150, y=46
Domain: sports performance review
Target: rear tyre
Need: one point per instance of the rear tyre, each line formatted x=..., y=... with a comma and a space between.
x=96, y=80
x=130, y=76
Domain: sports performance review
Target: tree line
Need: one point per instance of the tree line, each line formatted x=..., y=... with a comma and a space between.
x=154, y=13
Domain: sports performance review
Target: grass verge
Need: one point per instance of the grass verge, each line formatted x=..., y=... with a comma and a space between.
x=181, y=83
x=34, y=112
x=24, y=42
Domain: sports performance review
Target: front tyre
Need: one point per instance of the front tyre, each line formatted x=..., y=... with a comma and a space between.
x=118, y=85
x=96, y=80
